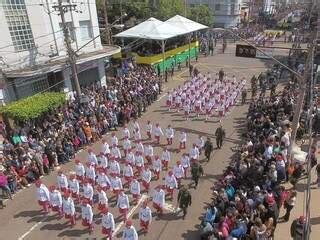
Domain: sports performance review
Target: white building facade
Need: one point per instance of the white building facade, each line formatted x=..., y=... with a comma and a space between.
x=32, y=49
x=227, y=13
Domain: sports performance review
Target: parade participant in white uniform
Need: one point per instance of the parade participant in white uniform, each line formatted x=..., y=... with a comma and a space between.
x=88, y=191
x=108, y=224
x=103, y=161
x=114, y=167
x=135, y=189
x=157, y=133
x=171, y=183
x=178, y=102
x=74, y=186
x=200, y=143
x=55, y=200
x=178, y=172
x=169, y=134
x=139, y=147
x=139, y=162
x=91, y=173
x=114, y=139
x=123, y=204
x=68, y=208
x=187, y=109
x=165, y=157
x=102, y=199
x=148, y=153
x=127, y=173
x=126, y=145
x=105, y=147
x=221, y=109
x=208, y=107
x=116, y=183
x=102, y=180
x=129, y=232
x=149, y=129
x=126, y=132
x=183, y=140
x=136, y=125
x=87, y=215
x=158, y=199
x=146, y=176
x=92, y=158
x=43, y=196
x=80, y=171
x=198, y=106
x=115, y=152
x=156, y=166
x=185, y=162
x=194, y=153
x=137, y=135
x=62, y=181
x=169, y=101
x=130, y=157
x=145, y=216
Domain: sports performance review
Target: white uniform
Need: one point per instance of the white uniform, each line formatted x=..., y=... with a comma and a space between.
x=200, y=143
x=140, y=147
x=103, y=180
x=136, y=126
x=159, y=198
x=123, y=202
x=74, y=186
x=194, y=153
x=108, y=221
x=116, y=183
x=171, y=182
x=114, y=141
x=139, y=161
x=135, y=187
x=146, y=175
x=55, y=199
x=185, y=161
x=127, y=171
x=92, y=158
x=137, y=135
x=88, y=191
x=102, y=196
x=62, y=181
x=156, y=165
x=178, y=171
x=158, y=131
x=126, y=144
x=114, y=167
x=105, y=148
x=68, y=206
x=86, y=213
x=115, y=152
x=130, y=234
x=130, y=158
x=148, y=151
x=43, y=193
x=79, y=169
x=145, y=214
x=91, y=172
x=166, y=156
x=126, y=133
x=169, y=133
x=149, y=128
x=183, y=137
x=103, y=162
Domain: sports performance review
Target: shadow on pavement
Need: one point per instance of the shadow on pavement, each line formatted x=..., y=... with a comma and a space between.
x=29, y=214
x=191, y=235
x=57, y=226
x=73, y=233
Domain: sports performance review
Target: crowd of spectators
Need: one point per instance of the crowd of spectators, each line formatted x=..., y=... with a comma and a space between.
x=248, y=197
x=33, y=149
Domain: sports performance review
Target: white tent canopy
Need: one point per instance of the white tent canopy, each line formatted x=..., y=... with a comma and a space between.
x=141, y=29
x=186, y=24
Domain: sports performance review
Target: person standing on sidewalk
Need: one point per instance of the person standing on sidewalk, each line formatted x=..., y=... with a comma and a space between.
x=289, y=204
x=196, y=172
x=297, y=228
x=184, y=200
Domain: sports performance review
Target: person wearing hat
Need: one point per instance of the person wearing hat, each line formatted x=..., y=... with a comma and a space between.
x=185, y=162
x=298, y=227
x=62, y=181
x=165, y=158
x=196, y=172
x=123, y=204
x=156, y=166
x=114, y=140
x=115, y=152
x=137, y=135
x=91, y=173
x=158, y=199
x=130, y=157
x=149, y=129
x=103, y=161
x=182, y=140
x=55, y=200
x=184, y=200
x=178, y=172
x=157, y=131
x=208, y=148
x=194, y=153
x=146, y=177
x=92, y=158
x=87, y=215
x=68, y=208
x=127, y=173
x=114, y=166
x=139, y=162
x=88, y=191
x=148, y=152
x=126, y=145
x=129, y=232
x=108, y=224
x=171, y=183
x=135, y=189
x=74, y=186
x=105, y=149
x=200, y=143
x=102, y=180
x=145, y=216
x=139, y=147
x=289, y=205
x=169, y=134
x=126, y=132
x=80, y=170
x=116, y=183
x=102, y=199
x=43, y=196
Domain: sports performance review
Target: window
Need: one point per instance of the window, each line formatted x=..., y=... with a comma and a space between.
x=18, y=23
x=85, y=30
x=217, y=7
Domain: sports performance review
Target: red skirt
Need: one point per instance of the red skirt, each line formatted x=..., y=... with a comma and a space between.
x=106, y=231
x=56, y=208
x=101, y=206
x=63, y=189
x=67, y=216
x=74, y=195
x=127, y=178
x=85, y=223
x=80, y=178
x=43, y=203
x=144, y=224
x=135, y=196
x=157, y=206
x=123, y=210
x=168, y=103
x=208, y=112
x=145, y=184
x=197, y=109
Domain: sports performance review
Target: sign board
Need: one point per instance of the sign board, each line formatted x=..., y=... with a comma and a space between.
x=268, y=51
x=245, y=51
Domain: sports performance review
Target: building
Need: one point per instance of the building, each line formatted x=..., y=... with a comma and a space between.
x=32, y=49
x=227, y=13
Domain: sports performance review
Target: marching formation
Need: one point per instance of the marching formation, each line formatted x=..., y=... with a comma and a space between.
x=205, y=94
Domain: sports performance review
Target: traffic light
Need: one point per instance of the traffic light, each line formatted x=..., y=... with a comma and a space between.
x=245, y=51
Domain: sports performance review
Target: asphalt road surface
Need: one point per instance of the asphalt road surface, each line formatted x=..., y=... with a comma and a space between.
x=21, y=219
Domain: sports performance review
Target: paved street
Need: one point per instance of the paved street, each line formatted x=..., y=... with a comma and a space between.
x=21, y=219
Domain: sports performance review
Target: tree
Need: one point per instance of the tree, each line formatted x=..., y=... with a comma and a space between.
x=168, y=8
x=201, y=14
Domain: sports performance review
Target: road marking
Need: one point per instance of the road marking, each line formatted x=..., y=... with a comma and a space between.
x=143, y=197
x=30, y=230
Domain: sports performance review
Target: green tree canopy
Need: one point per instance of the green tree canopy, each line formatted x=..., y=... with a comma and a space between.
x=201, y=14
x=168, y=8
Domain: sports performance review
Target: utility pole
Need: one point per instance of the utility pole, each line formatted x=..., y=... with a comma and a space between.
x=62, y=9
x=107, y=30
